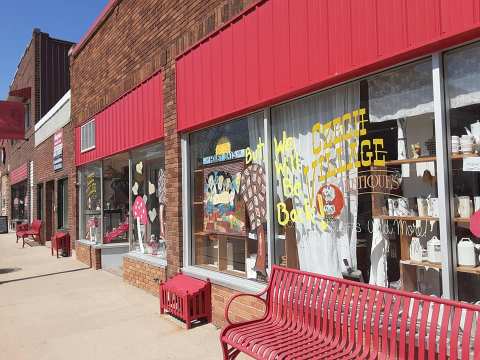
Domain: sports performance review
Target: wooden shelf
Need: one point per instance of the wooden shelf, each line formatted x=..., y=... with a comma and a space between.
x=427, y=159
x=421, y=264
x=219, y=234
x=414, y=218
x=406, y=218
x=469, y=269
x=411, y=161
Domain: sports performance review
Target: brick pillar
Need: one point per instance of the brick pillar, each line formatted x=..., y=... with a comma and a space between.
x=173, y=169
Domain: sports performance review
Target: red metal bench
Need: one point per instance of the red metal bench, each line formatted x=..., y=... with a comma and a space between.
x=24, y=231
x=311, y=316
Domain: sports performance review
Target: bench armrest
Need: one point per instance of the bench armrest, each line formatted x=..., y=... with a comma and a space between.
x=233, y=297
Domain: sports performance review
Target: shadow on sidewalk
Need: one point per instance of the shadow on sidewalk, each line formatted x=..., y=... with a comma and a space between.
x=43, y=275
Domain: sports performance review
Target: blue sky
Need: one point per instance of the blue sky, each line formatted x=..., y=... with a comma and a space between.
x=62, y=19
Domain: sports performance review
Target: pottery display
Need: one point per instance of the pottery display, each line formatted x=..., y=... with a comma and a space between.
x=416, y=250
x=455, y=144
x=422, y=205
x=434, y=250
x=400, y=206
x=466, y=252
x=464, y=206
x=433, y=207
x=466, y=144
x=476, y=203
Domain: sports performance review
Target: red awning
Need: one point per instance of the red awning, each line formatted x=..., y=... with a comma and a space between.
x=24, y=93
x=12, y=120
x=19, y=174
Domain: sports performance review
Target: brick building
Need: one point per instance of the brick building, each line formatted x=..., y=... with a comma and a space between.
x=41, y=79
x=55, y=171
x=221, y=137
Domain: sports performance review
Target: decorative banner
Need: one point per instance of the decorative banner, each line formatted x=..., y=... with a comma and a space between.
x=223, y=211
x=58, y=150
x=12, y=118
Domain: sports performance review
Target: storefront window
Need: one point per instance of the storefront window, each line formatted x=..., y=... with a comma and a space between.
x=115, y=199
x=462, y=80
x=229, y=198
x=355, y=191
x=90, y=206
x=148, y=196
x=19, y=200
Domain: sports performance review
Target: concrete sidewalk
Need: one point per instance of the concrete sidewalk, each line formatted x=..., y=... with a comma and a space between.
x=59, y=309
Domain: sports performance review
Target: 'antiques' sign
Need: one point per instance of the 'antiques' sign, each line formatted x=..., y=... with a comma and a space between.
x=58, y=150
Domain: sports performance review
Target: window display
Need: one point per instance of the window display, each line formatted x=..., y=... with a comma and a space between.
x=148, y=196
x=229, y=198
x=91, y=202
x=19, y=199
x=462, y=75
x=349, y=193
x=115, y=199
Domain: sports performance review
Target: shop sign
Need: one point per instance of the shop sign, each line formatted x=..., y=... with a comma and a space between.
x=58, y=150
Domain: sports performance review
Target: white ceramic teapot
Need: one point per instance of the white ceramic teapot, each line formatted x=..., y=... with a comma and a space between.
x=434, y=250
x=466, y=252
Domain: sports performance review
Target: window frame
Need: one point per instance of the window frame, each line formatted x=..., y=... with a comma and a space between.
x=88, y=132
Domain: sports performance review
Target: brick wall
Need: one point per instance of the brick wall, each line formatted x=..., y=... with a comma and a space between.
x=138, y=39
x=43, y=170
x=88, y=255
x=142, y=274
x=28, y=74
x=242, y=309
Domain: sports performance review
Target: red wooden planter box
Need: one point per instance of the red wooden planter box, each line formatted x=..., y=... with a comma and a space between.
x=186, y=298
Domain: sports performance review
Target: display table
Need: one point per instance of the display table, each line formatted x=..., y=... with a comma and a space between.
x=186, y=298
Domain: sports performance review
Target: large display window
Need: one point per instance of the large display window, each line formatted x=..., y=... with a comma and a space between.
x=115, y=199
x=462, y=87
x=229, y=198
x=149, y=200
x=355, y=181
x=91, y=202
x=370, y=181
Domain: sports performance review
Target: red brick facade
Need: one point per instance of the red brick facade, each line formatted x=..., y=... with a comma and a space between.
x=137, y=39
x=35, y=71
x=89, y=255
x=143, y=274
x=44, y=174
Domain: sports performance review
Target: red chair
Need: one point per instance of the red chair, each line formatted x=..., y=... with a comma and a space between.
x=61, y=240
x=24, y=231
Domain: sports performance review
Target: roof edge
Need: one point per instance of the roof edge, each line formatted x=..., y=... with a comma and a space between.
x=107, y=10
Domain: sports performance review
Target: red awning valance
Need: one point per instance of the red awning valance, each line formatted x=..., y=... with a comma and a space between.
x=24, y=93
x=12, y=120
x=19, y=174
